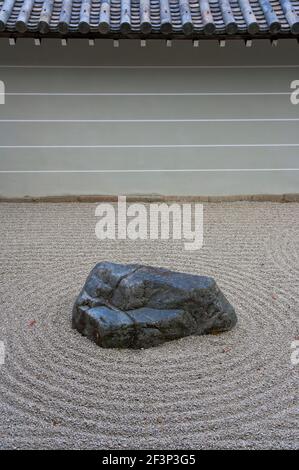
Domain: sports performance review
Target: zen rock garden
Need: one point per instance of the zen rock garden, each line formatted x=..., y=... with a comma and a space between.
x=135, y=306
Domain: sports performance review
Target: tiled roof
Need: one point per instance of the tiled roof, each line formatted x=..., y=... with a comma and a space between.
x=150, y=18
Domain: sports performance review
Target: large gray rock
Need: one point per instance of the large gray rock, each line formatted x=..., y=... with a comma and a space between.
x=135, y=306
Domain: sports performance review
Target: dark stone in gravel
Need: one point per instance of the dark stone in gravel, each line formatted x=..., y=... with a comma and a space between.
x=135, y=306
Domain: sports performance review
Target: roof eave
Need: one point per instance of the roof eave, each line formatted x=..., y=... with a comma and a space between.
x=138, y=36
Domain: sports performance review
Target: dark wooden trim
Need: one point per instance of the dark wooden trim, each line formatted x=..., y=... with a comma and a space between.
x=147, y=198
x=151, y=36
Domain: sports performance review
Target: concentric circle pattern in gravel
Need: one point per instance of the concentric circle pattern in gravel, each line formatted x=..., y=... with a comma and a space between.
x=235, y=390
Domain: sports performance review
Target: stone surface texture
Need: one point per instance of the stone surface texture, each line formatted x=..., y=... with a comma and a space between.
x=136, y=306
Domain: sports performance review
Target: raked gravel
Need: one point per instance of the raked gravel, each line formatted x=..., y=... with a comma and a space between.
x=235, y=390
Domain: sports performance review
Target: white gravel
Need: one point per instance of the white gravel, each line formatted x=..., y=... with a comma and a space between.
x=235, y=390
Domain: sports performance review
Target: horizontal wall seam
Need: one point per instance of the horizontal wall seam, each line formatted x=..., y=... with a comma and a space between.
x=144, y=146
x=185, y=170
x=150, y=66
x=111, y=121
x=233, y=93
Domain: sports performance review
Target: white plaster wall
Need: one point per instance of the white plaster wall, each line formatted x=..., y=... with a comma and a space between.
x=80, y=120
